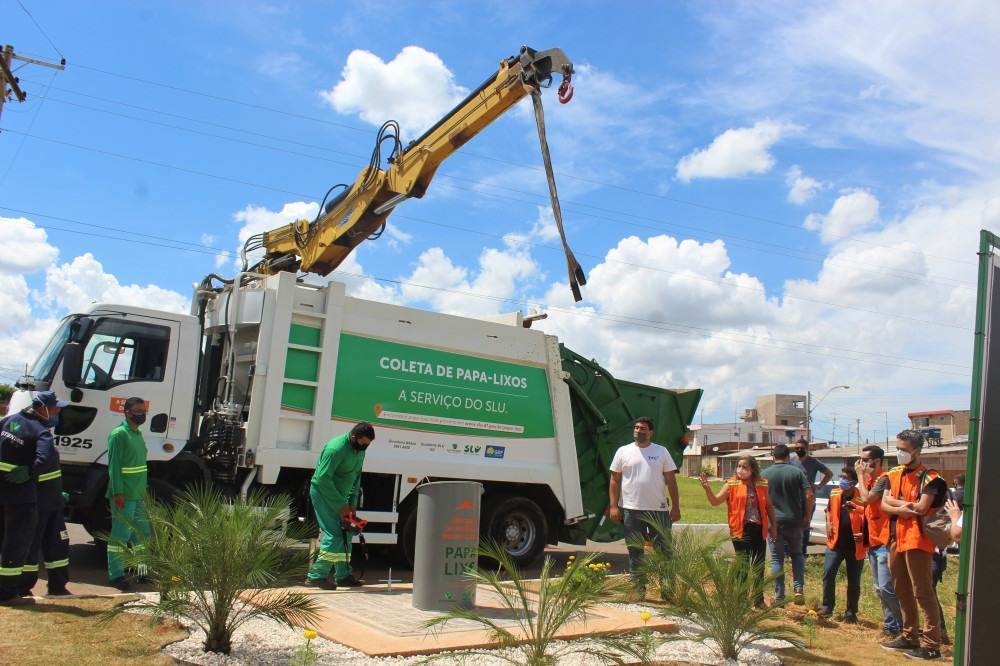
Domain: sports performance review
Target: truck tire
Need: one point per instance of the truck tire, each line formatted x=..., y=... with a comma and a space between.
x=518, y=525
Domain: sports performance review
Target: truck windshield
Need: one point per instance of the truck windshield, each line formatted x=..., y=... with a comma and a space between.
x=46, y=363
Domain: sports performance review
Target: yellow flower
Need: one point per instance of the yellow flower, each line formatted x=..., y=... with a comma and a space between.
x=175, y=579
x=310, y=634
x=645, y=615
x=812, y=613
x=572, y=557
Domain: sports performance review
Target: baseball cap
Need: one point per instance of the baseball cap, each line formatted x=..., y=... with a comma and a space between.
x=49, y=399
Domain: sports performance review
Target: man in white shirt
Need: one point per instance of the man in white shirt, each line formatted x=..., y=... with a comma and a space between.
x=642, y=473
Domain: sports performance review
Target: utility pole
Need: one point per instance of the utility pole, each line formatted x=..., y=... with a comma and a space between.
x=859, y=435
x=8, y=80
x=833, y=433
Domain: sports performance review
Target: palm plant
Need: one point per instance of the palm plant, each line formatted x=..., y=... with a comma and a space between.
x=540, y=608
x=216, y=563
x=679, y=561
x=717, y=593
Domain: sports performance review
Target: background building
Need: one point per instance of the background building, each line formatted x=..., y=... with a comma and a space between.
x=952, y=424
x=779, y=409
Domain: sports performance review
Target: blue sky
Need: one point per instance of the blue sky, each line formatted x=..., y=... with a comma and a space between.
x=767, y=197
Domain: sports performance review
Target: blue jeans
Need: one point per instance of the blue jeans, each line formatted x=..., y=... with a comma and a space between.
x=636, y=528
x=830, y=567
x=789, y=542
x=878, y=561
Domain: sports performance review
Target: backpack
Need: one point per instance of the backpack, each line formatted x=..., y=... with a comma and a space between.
x=936, y=526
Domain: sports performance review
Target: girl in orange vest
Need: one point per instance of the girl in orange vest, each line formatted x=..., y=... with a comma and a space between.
x=845, y=542
x=751, y=515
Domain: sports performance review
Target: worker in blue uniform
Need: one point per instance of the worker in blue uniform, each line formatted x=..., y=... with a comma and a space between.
x=51, y=537
x=20, y=435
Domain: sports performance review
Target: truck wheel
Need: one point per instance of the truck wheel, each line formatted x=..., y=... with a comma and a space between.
x=518, y=525
x=163, y=491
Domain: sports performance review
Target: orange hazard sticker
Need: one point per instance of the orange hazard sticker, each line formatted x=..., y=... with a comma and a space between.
x=118, y=404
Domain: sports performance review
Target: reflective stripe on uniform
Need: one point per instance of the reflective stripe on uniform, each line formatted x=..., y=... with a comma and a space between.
x=7, y=467
x=10, y=571
x=29, y=568
x=134, y=470
x=115, y=549
x=56, y=564
x=330, y=556
x=48, y=476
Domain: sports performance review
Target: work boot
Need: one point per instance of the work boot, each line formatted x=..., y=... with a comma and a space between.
x=16, y=601
x=850, y=618
x=823, y=611
x=349, y=581
x=321, y=584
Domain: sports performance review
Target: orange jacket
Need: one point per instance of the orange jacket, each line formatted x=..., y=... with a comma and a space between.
x=905, y=485
x=857, y=517
x=878, y=522
x=736, y=502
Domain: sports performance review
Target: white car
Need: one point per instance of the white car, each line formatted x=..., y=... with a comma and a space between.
x=817, y=531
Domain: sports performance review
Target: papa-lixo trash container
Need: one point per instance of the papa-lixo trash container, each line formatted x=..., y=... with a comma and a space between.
x=447, y=544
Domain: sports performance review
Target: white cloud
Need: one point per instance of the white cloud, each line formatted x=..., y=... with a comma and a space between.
x=208, y=240
x=415, y=88
x=801, y=188
x=501, y=274
x=734, y=153
x=851, y=212
x=396, y=237
x=27, y=246
x=76, y=284
x=257, y=219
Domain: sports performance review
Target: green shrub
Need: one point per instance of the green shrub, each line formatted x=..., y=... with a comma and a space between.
x=217, y=561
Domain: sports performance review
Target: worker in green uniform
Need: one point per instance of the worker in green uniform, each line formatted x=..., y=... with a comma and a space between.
x=334, y=493
x=127, y=489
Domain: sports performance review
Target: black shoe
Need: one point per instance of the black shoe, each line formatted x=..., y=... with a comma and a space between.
x=823, y=611
x=899, y=643
x=850, y=618
x=121, y=584
x=923, y=653
x=16, y=601
x=349, y=581
x=322, y=584
x=890, y=635
x=800, y=598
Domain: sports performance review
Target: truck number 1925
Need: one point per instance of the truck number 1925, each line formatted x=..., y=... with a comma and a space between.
x=75, y=442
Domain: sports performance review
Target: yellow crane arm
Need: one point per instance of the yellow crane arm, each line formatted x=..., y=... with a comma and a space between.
x=320, y=245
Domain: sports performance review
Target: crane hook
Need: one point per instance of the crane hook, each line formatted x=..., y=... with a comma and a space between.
x=565, y=92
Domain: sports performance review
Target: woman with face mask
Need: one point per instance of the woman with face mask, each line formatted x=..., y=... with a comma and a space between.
x=750, y=514
x=845, y=542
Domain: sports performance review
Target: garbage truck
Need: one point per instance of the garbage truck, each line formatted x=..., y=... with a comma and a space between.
x=245, y=390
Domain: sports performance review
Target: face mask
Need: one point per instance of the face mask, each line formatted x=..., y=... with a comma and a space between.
x=845, y=484
x=904, y=457
x=801, y=453
x=137, y=419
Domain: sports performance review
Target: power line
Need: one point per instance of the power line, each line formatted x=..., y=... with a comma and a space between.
x=687, y=275
x=41, y=30
x=686, y=329
x=324, y=121
x=20, y=144
x=778, y=249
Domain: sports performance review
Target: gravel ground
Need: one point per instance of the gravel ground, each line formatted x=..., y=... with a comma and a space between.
x=264, y=642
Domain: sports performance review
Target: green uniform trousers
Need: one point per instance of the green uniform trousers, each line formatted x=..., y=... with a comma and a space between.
x=128, y=526
x=334, y=549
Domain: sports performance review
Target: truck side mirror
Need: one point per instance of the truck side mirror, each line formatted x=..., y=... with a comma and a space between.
x=72, y=363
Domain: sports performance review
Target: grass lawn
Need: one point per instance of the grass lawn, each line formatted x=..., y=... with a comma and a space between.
x=67, y=631
x=694, y=506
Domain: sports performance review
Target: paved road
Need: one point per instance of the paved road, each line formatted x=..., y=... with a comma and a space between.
x=88, y=563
